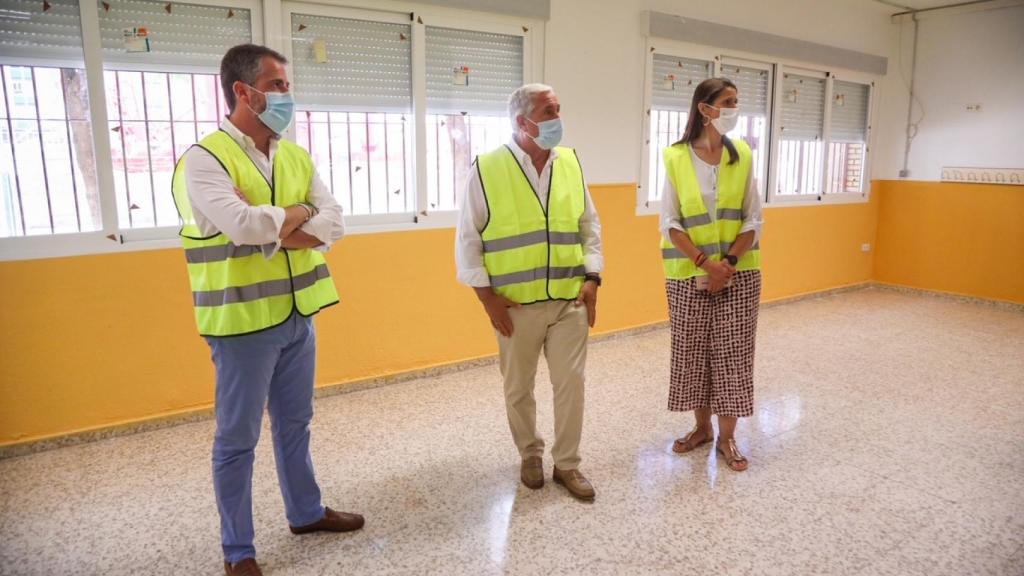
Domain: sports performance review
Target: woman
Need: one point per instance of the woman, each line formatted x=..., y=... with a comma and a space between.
x=710, y=222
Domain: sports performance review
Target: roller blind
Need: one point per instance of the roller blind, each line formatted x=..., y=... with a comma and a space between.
x=674, y=79
x=753, y=87
x=367, y=65
x=803, y=107
x=26, y=31
x=179, y=34
x=495, y=69
x=850, y=111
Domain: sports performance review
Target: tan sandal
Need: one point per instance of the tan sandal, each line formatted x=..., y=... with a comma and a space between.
x=734, y=459
x=686, y=444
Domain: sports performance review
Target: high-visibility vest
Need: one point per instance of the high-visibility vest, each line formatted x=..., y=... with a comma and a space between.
x=235, y=290
x=533, y=253
x=711, y=236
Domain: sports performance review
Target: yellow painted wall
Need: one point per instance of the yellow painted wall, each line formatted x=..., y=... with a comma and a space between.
x=95, y=341
x=959, y=238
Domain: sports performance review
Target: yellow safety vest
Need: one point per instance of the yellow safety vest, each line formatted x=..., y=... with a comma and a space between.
x=712, y=236
x=531, y=253
x=235, y=290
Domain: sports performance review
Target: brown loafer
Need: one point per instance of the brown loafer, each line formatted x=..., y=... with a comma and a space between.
x=247, y=567
x=333, y=521
x=532, y=473
x=575, y=482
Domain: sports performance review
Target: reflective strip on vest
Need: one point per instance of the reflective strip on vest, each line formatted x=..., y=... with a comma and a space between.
x=710, y=250
x=222, y=252
x=694, y=221
x=531, y=238
x=532, y=253
x=537, y=274
x=730, y=214
x=266, y=289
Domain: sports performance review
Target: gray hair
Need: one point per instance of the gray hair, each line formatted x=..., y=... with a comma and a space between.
x=520, y=103
x=243, y=63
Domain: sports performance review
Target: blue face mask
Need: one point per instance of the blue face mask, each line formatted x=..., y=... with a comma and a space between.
x=550, y=133
x=279, y=111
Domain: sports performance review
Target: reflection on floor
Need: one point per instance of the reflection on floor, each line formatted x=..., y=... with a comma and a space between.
x=888, y=439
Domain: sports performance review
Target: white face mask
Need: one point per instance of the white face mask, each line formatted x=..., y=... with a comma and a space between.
x=727, y=119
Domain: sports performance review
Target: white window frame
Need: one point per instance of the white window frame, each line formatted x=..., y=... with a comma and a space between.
x=777, y=66
x=872, y=83
x=447, y=218
x=667, y=48
x=111, y=238
x=274, y=33
x=419, y=17
x=728, y=60
x=811, y=72
x=289, y=8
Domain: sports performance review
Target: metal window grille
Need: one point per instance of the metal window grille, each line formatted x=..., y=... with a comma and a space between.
x=470, y=76
x=801, y=151
x=353, y=83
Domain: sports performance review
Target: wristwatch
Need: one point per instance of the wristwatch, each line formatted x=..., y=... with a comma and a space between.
x=592, y=277
x=732, y=260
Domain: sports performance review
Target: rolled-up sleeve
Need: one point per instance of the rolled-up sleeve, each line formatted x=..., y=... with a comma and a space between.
x=671, y=214
x=752, y=218
x=328, y=226
x=590, y=236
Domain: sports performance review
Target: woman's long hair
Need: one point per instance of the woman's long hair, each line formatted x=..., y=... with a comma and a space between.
x=706, y=93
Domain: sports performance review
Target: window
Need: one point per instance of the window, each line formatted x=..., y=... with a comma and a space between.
x=161, y=101
x=801, y=136
x=673, y=81
x=392, y=107
x=848, y=137
x=365, y=80
x=48, y=182
x=753, y=83
x=353, y=84
x=470, y=76
x=808, y=130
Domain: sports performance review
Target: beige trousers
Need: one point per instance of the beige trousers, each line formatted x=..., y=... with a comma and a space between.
x=560, y=329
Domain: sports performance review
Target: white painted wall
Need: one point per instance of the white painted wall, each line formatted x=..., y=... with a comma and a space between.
x=964, y=57
x=595, y=54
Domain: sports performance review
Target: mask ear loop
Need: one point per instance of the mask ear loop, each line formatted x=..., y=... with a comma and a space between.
x=266, y=104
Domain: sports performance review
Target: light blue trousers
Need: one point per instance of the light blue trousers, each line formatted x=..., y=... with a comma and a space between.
x=275, y=368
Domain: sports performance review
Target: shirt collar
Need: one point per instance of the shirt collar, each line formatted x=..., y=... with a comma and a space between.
x=521, y=154
x=241, y=137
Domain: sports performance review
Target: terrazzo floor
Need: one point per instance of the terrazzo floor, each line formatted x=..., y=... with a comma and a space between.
x=888, y=438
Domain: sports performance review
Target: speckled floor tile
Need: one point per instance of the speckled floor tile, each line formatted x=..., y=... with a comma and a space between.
x=888, y=438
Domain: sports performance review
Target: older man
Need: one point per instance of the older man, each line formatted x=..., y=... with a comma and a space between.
x=529, y=244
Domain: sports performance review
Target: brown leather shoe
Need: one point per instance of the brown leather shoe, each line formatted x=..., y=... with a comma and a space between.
x=575, y=482
x=333, y=521
x=532, y=473
x=247, y=567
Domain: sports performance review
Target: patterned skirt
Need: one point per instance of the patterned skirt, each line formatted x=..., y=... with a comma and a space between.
x=713, y=345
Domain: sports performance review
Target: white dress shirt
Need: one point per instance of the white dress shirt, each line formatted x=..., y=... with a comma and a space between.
x=473, y=215
x=707, y=179
x=217, y=208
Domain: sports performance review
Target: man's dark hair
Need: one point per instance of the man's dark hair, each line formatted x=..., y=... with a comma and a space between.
x=243, y=64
